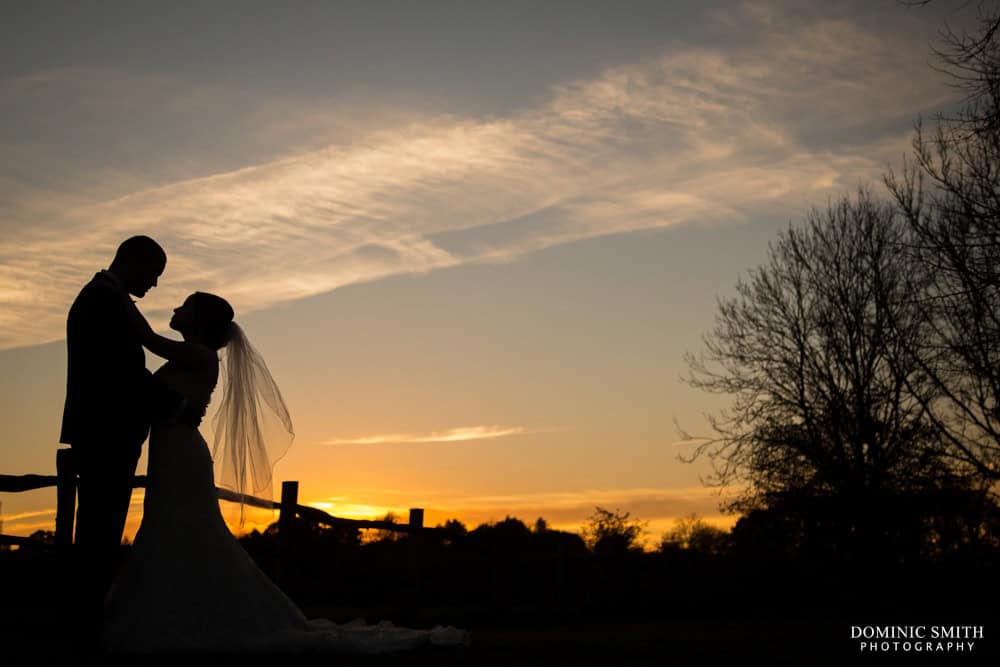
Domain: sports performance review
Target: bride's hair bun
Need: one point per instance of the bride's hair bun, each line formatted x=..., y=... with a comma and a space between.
x=215, y=318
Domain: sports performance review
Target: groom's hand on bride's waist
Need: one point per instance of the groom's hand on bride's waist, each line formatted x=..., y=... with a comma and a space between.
x=191, y=412
x=165, y=404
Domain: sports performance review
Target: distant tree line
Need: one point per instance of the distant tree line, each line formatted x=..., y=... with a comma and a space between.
x=863, y=357
x=508, y=570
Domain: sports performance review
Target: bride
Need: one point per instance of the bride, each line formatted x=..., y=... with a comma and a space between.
x=188, y=585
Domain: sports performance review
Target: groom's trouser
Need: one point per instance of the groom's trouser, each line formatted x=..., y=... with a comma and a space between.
x=104, y=493
x=106, y=473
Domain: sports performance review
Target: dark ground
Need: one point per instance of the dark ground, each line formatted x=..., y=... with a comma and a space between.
x=743, y=627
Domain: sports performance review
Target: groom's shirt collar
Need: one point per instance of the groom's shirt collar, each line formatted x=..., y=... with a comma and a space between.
x=115, y=280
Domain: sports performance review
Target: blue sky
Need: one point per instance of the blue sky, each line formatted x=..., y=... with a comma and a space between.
x=472, y=239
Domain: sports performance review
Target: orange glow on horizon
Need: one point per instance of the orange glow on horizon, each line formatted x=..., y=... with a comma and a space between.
x=559, y=515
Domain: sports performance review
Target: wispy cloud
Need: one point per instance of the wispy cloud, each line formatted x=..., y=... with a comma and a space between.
x=25, y=523
x=22, y=516
x=460, y=434
x=696, y=135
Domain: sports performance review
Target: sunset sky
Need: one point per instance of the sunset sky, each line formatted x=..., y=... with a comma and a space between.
x=472, y=239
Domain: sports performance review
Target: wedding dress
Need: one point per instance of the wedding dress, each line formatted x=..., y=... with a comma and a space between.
x=189, y=586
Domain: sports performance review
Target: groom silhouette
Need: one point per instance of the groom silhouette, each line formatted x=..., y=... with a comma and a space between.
x=110, y=400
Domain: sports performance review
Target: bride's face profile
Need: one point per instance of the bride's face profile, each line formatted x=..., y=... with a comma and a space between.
x=204, y=318
x=183, y=317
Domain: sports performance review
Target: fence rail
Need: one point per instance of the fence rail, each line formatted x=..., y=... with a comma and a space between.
x=65, y=481
x=16, y=483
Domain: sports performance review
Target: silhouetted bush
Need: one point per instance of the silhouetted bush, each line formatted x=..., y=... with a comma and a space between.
x=611, y=533
x=693, y=535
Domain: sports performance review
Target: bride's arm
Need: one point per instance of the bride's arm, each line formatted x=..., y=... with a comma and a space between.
x=172, y=350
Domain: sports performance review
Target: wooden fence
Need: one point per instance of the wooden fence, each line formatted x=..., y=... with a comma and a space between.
x=65, y=481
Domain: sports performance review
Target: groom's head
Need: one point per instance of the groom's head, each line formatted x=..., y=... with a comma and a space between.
x=138, y=263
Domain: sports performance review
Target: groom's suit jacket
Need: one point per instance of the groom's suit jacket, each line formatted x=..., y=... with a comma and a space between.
x=109, y=392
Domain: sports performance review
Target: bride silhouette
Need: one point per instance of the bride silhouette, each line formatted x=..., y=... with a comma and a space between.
x=188, y=585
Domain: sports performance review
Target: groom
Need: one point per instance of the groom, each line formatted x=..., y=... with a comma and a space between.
x=110, y=401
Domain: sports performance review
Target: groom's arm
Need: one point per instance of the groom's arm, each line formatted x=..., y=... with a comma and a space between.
x=167, y=404
x=180, y=351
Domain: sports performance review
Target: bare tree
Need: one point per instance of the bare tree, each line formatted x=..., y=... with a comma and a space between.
x=810, y=350
x=949, y=196
x=608, y=532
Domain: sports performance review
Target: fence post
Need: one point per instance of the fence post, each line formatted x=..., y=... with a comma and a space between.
x=415, y=544
x=65, y=496
x=286, y=519
x=289, y=501
x=416, y=519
